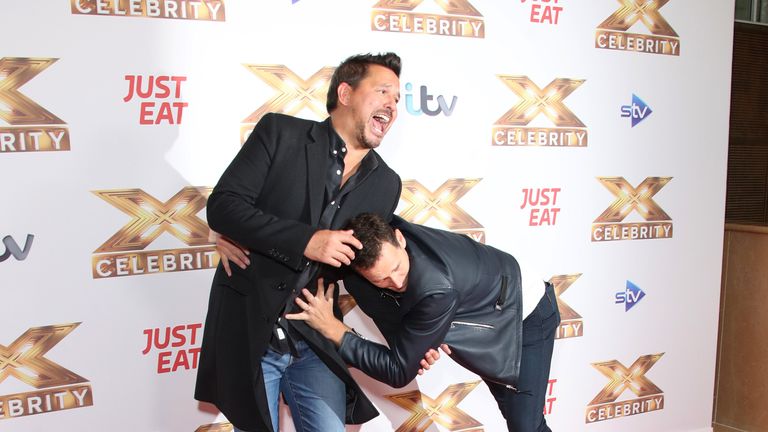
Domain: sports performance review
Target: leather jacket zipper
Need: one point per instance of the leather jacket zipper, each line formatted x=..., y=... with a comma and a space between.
x=470, y=324
x=385, y=294
x=503, y=294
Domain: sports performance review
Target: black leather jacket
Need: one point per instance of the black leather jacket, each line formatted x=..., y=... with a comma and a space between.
x=460, y=292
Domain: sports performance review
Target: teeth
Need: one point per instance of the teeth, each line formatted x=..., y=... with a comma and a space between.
x=383, y=118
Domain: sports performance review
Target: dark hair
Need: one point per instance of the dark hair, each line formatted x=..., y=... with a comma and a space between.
x=372, y=230
x=354, y=69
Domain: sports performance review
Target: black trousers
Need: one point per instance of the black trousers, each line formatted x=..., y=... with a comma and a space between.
x=523, y=408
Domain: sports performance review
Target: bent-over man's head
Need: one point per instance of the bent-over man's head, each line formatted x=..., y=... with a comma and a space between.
x=383, y=261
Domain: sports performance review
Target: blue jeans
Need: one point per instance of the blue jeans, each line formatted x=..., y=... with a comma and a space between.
x=316, y=397
x=524, y=408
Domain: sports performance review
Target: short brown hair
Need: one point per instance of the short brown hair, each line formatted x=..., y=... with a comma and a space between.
x=354, y=69
x=372, y=230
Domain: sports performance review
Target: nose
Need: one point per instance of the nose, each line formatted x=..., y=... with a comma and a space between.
x=391, y=103
x=397, y=281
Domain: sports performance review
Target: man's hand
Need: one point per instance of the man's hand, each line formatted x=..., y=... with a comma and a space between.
x=332, y=247
x=430, y=357
x=318, y=313
x=229, y=250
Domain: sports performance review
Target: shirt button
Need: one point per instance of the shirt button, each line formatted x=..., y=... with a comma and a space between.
x=343, y=149
x=338, y=172
x=335, y=152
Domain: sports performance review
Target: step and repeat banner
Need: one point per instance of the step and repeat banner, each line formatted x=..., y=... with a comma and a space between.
x=588, y=136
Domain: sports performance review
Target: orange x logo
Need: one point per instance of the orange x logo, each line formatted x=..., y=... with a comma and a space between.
x=632, y=11
x=562, y=283
x=622, y=378
x=24, y=359
x=440, y=204
x=177, y=216
x=425, y=410
x=14, y=73
x=346, y=303
x=629, y=199
x=535, y=101
x=295, y=93
x=216, y=427
x=453, y=7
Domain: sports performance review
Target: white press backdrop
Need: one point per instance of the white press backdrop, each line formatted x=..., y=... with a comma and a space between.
x=74, y=351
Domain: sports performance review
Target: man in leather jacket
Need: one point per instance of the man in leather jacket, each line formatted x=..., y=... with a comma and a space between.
x=424, y=287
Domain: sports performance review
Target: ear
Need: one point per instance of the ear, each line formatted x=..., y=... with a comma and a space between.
x=344, y=92
x=400, y=238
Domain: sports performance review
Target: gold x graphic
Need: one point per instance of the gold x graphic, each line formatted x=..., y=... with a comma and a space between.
x=562, y=283
x=24, y=358
x=440, y=204
x=294, y=94
x=622, y=378
x=535, y=101
x=177, y=216
x=629, y=199
x=443, y=410
x=632, y=11
x=14, y=73
x=453, y=7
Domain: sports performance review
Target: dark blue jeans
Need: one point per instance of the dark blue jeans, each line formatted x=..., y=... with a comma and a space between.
x=523, y=408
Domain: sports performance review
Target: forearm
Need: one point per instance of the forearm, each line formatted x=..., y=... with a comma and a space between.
x=377, y=361
x=333, y=330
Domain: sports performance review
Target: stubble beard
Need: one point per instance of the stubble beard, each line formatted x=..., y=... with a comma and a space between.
x=363, y=140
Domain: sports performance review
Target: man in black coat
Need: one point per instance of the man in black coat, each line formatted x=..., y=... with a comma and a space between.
x=284, y=198
x=424, y=287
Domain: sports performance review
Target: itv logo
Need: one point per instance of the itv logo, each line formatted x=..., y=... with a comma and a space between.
x=13, y=248
x=425, y=102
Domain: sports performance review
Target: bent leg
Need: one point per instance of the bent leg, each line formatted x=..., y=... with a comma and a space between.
x=523, y=408
x=316, y=396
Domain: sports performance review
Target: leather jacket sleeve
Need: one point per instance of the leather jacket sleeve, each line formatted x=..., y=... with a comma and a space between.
x=424, y=327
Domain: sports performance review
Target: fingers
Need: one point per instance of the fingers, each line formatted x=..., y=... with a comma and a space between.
x=332, y=247
x=425, y=364
x=344, y=254
x=229, y=251
x=431, y=356
x=225, y=264
x=302, y=304
x=350, y=239
x=446, y=349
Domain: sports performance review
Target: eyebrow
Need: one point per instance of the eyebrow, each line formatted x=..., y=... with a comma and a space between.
x=390, y=273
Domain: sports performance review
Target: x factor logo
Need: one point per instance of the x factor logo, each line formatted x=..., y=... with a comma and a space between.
x=203, y=10
x=32, y=127
x=216, y=427
x=571, y=323
x=513, y=129
x=123, y=254
x=346, y=303
x=613, y=32
x=443, y=410
x=461, y=19
x=649, y=396
x=58, y=388
x=295, y=94
x=423, y=205
x=628, y=199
